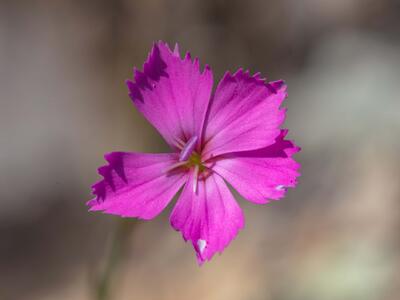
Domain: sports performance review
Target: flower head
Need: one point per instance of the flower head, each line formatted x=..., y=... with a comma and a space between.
x=230, y=135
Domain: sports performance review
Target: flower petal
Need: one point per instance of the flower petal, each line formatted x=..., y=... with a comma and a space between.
x=210, y=218
x=262, y=174
x=136, y=185
x=172, y=93
x=243, y=115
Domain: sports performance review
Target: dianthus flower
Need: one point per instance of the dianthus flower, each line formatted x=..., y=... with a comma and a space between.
x=232, y=135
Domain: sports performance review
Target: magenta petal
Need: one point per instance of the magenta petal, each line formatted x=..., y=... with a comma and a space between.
x=243, y=115
x=210, y=218
x=136, y=185
x=262, y=174
x=172, y=93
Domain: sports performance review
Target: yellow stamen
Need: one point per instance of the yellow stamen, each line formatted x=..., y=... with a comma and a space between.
x=195, y=160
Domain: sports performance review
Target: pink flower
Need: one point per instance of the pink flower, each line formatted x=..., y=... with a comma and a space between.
x=230, y=135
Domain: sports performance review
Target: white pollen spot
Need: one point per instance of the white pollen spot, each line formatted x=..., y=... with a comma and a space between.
x=280, y=187
x=202, y=245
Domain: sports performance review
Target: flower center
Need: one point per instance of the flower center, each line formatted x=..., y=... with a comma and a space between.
x=188, y=148
x=195, y=161
x=190, y=159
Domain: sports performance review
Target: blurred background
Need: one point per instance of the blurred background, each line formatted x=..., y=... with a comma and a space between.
x=63, y=104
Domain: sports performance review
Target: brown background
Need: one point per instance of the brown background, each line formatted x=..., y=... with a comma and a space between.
x=63, y=103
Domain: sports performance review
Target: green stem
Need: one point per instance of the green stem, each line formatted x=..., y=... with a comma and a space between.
x=119, y=241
